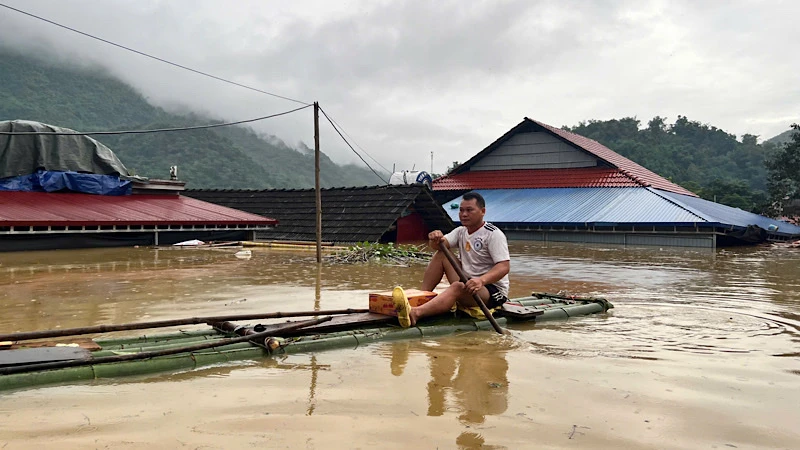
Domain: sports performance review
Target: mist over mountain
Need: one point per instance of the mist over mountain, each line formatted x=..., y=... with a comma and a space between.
x=782, y=138
x=88, y=98
x=703, y=158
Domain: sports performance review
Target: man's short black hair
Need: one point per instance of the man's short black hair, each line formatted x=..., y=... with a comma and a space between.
x=477, y=197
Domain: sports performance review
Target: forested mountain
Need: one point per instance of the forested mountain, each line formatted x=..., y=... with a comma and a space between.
x=700, y=157
x=89, y=99
x=783, y=138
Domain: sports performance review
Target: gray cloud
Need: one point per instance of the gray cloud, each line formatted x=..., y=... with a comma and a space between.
x=409, y=77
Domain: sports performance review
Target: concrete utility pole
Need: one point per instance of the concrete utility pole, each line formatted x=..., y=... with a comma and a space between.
x=316, y=182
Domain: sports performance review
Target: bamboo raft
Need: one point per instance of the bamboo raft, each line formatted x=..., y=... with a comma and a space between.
x=27, y=359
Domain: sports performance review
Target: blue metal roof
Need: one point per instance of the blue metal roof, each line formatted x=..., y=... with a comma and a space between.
x=715, y=212
x=610, y=206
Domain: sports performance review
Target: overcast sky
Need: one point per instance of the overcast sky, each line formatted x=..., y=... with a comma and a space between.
x=407, y=78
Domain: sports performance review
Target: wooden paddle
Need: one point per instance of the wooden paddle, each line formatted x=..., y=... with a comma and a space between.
x=464, y=278
x=28, y=335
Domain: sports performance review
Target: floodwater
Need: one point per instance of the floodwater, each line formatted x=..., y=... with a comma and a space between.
x=701, y=351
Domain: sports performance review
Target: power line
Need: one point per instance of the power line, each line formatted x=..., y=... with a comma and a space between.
x=351, y=147
x=356, y=144
x=153, y=57
x=335, y=125
x=158, y=130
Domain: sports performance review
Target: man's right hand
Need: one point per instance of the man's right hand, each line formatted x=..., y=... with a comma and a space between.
x=434, y=238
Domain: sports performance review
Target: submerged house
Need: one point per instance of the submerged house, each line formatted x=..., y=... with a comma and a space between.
x=547, y=184
x=60, y=189
x=393, y=213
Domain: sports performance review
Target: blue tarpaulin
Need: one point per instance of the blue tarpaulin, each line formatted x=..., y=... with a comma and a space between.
x=54, y=181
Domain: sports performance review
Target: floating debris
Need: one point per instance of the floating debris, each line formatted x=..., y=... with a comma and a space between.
x=795, y=244
x=391, y=254
x=190, y=243
x=243, y=254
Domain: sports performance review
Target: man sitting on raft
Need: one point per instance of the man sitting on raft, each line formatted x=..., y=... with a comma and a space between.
x=483, y=252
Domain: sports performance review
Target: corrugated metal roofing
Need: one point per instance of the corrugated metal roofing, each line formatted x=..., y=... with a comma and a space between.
x=536, y=178
x=715, y=212
x=580, y=205
x=611, y=206
x=70, y=209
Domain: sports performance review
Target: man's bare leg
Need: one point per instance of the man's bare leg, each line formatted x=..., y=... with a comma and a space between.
x=443, y=303
x=438, y=266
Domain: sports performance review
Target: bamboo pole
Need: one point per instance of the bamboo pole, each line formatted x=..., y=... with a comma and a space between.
x=28, y=335
x=152, y=354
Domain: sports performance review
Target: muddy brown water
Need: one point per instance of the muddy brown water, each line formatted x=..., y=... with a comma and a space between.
x=702, y=351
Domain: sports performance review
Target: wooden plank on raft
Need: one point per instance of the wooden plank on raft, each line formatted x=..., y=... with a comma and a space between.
x=519, y=312
x=337, y=323
x=42, y=354
x=86, y=343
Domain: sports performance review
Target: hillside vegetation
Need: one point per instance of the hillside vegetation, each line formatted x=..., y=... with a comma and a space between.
x=783, y=178
x=228, y=157
x=699, y=157
x=783, y=138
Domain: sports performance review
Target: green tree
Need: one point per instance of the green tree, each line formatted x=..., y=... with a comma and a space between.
x=704, y=159
x=734, y=193
x=783, y=176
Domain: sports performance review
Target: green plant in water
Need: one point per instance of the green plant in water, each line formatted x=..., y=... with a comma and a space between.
x=389, y=253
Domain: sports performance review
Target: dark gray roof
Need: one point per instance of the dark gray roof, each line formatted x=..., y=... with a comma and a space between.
x=355, y=214
x=25, y=154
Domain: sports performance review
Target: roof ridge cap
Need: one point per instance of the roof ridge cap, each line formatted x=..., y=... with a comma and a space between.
x=570, y=134
x=636, y=178
x=633, y=177
x=677, y=203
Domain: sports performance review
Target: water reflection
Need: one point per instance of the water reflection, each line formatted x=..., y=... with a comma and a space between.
x=312, y=389
x=318, y=287
x=467, y=377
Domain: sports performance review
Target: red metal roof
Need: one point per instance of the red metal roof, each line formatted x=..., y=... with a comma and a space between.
x=644, y=176
x=536, y=178
x=72, y=209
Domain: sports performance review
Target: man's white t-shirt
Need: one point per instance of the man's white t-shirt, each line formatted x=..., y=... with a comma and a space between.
x=481, y=250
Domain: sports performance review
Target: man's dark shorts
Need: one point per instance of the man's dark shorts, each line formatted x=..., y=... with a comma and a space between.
x=496, y=298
